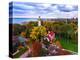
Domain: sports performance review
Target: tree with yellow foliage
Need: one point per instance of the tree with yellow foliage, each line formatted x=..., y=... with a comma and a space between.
x=36, y=35
x=38, y=32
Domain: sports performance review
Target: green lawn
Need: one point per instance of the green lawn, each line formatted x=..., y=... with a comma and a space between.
x=68, y=45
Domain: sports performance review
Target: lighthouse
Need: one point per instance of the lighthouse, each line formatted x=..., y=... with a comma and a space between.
x=39, y=21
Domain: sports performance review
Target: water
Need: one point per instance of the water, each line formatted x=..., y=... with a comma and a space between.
x=21, y=20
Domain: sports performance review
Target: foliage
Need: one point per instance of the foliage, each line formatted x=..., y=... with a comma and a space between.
x=23, y=34
x=74, y=37
x=36, y=48
x=38, y=32
x=63, y=30
x=21, y=51
x=29, y=27
x=17, y=29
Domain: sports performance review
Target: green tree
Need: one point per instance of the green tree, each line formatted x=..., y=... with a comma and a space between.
x=17, y=29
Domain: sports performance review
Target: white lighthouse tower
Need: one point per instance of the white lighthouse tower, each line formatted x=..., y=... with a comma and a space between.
x=39, y=21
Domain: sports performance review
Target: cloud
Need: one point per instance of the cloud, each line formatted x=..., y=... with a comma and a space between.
x=23, y=9
x=67, y=8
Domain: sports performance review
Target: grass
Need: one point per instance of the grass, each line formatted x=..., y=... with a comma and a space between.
x=22, y=50
x=69, y=45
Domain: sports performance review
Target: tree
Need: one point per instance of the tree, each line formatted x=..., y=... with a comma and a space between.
x=36, y=49
x=67, y=29
x=48, y=25
x=36, y=35
x=17, y=29
x=29, y=26
x=38, y=32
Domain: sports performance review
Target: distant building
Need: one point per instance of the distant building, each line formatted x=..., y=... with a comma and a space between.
x=39, y=21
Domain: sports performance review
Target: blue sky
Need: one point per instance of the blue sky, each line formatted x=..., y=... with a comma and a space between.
x=45, y=10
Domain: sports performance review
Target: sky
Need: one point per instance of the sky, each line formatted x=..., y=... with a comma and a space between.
x=45, y=10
